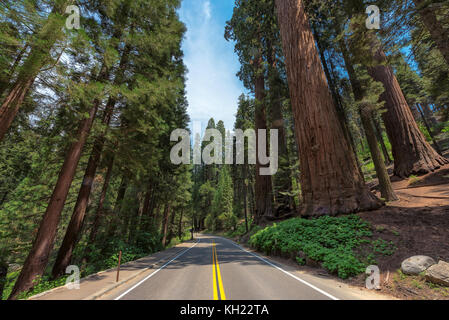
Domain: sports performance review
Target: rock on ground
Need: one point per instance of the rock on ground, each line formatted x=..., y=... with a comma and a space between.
x=416, y=264
x=439, y=273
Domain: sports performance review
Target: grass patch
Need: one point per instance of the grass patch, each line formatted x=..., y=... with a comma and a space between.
x=42, y=284
x=413, y=179
x=175, y=241
x=341, y=244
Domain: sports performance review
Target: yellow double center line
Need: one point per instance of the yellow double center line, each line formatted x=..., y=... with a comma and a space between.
x=216, y=275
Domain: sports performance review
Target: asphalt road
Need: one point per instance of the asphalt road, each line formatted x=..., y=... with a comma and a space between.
x=218, y=269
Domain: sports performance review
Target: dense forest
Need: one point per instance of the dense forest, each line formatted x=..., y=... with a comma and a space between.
x=86, y=117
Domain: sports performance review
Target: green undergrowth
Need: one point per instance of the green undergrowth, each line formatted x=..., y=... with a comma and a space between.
x=343, y=245
x=240, y=230
x=42, y=284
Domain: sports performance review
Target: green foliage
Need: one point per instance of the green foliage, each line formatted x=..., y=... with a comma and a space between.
x=445, y=127
x=383, y=247
x=424, y=131
x=336, y=242
x=137, y=45
x=42, y=284
x=240, y=230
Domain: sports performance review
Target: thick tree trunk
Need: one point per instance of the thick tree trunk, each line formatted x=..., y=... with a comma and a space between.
x=73, y=230
x=339, y=106
x=37, y=259
x=386, y=188
x=380, y=138
x=330, y=180
x=99, y=211
x=411, y=152
x=38, y=57
x=436, y=30
x=71, y=236
x=263, y=186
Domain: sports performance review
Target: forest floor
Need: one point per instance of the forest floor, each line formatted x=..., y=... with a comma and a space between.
x=418, y=224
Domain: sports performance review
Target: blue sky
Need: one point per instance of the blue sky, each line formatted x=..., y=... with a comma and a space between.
x=212, y=86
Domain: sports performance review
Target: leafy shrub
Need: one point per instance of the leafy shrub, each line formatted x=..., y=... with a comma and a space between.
x=42, y=284
x=330, y=240
x=445, y=127
x=240, y=230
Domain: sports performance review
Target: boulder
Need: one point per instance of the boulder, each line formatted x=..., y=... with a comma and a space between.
x=416, y=264
x=439, y=273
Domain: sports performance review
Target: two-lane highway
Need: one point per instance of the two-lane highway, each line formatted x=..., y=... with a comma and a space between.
x=218, y=269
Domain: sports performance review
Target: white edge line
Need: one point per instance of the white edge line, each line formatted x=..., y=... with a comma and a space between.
x=148, y=277
x=286, y=272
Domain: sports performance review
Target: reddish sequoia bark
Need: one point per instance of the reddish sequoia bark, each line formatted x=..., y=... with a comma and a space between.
x=337, y=101
x=263, y=186
x=436, y=30
x=12, y=103
x=37, y=259
x=76, y=222
x=330, y=181
x=411, y=152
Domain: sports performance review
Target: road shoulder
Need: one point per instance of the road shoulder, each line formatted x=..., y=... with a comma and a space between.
x=95, y=286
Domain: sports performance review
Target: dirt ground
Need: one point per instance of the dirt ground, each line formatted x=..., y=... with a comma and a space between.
x=418, y=224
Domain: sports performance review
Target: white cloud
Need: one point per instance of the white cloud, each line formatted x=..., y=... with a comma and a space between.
x=206, y=9
x=212, y=87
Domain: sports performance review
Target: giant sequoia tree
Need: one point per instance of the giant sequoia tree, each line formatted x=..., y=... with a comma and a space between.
x=411, y=152
x=330, y=180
